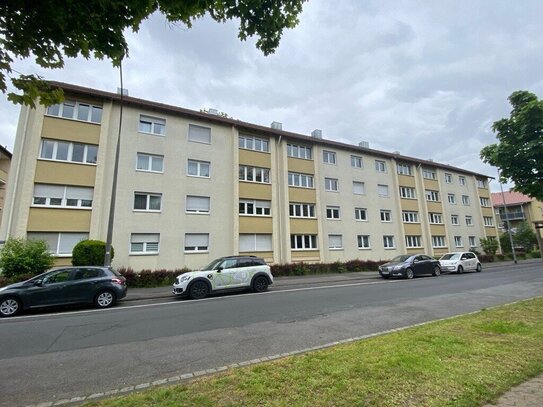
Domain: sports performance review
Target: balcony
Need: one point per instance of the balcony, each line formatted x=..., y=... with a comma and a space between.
x=513, y=216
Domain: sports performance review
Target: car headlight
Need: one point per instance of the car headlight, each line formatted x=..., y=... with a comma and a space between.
x=3, y=288
x=396, y=268
x=182, y=279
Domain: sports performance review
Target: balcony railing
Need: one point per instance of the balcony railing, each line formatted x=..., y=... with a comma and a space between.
x=513, y=216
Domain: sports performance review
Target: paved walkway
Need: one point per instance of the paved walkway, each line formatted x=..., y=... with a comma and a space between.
x=527, y=394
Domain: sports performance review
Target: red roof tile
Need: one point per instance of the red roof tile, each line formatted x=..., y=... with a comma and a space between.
x=511, y=198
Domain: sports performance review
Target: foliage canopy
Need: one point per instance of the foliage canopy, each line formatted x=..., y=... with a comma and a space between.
x=519, y=152
x=48, y=30
x=90, y=253
x=21, y=256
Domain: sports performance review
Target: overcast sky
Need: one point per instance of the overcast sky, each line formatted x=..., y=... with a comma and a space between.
x=426, y=78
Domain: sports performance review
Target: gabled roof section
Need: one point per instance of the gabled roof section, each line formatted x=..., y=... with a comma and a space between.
x=511, y=198
x=249, y=127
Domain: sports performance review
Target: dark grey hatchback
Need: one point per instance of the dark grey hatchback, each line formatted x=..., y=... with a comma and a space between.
x=409, y=266
x=100, y=286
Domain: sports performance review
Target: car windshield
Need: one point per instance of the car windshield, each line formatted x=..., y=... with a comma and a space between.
x=213, y=265
x=450, y=256
x=401, y=258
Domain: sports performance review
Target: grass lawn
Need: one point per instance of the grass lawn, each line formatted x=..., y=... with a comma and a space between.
x=465, y=361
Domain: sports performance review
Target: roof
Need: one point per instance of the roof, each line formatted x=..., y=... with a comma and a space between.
x=5, y=151
x=511, y=198
x=245, y=126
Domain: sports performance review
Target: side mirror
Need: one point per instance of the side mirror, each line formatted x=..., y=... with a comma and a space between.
x=38, y=283
x=221, y=268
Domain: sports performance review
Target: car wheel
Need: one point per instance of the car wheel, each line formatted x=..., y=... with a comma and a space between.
x=104, y=299
x=198, y=290
x=409, y=274
x=479, y=267
x=385, y=277
x=460, y=270
x=437, y=271
x=9, y=307
x=260, y=284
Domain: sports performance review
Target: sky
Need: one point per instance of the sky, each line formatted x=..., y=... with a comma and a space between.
x=425, y=78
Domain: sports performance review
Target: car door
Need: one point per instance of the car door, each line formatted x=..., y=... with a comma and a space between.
x=464, y=261
x=223, y=276
x=419, y=265
x=472, y=261
x=86, y=281
x=53, y=289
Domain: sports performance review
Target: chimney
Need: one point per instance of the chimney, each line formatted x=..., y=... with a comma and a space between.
x=122, y=91
x=364, y=144
x=214, y=112
x=396, y=152
x=317, y=133
x=277, y=125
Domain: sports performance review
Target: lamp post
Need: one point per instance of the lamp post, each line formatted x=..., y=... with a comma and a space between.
x=507, y=218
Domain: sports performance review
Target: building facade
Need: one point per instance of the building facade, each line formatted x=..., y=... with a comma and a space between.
x=5, y=162
x=518, y=208
x=194, y=186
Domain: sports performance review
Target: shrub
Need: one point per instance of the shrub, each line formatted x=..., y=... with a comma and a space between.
x=90, y=253
x=301, y=269
x=149, y=278
x=24, y=257
x=489, y=245
x=500, y=257
x=536, y=254
x=486, y=258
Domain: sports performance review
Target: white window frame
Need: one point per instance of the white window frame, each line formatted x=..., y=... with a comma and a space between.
x=380, y=166
x=465, y=200
x=389, y=242
x=404, y=169
x=199, y=131
x=196, y=248
x=305, y=210
x=481, y=183
x=65, y=196
x=70, y=151
x=260, y=242
x=383, y=190
x=303, y=242
x=458, y=241
x=438, y=241
x=329, y=157
x=435, y=218
x=335, y=242
x=462, y=180
x=253, y=143
x=431, y=195
x=356, y=161
x=56, y=251
x=363, y=242
x=413, y=241
x=332, y=212
x=331, y=184
x=299, y=180
x=469, y=220
x=472, y=242
x=386, y=215
x=258, y=175
x=151, y=158
x=358, y=214
x=148, y=196
x=408, y=193
x=451, y=198
x=200, y=166
x=157, y=125
x=197, y=209
x=429, y=174
x=150, y=246
x=448, y=178
x=485, y=202
x=455, y=220
x=488, y=220
x=75, y=115
x=299, y=151
x=360, y=186
x=253, y=207
x=410, y=217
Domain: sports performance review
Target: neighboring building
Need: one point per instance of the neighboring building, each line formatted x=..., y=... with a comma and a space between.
x=194, y=186
x=5, y=161
x=517, y=207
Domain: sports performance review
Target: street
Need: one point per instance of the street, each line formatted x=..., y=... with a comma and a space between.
x=49, y=357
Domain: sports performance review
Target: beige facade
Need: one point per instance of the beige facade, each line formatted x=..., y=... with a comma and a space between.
x=5, y=163
x=194, y=186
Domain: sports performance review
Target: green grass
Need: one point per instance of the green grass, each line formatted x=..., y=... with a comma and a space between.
x=465, y=361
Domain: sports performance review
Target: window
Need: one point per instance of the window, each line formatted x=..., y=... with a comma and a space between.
x=329, y=157
x=386, y=215
x=301, y=210
x=451, y=198
x=199, y=134
x=404, y=169
x=485, y=202
x=472, y=242
x=335, y=242
x=254, y=208
x=454, y=220
x=197, y=204
x=62, y=196
x=469, y=221
x=144, y=243
x=331, y=184
x=382, y=190
x=254, y=174
x=147, y=202
x=356, y=161
x=388, y=242
x=198, y=168
x=297, y=151
x=429, y=174
x=435, y=218
x=359, y=188
x=254, y=143
x=196, y=242
x=432, y=196
x=380, y=166
x=148, y=162
x=303, y=242
x=60, y=244
x=465, y=199
x=300, y=180
x=363, y=241
x=481, y=183
x=68, y=151
x=76, y=111
x=488, y=221
x=413, y=241
x=332, y=212
x=448, y=178
x=255, y=243
x=360, y=214
x=438, y=241
x=410, y=217
x=458, y=241
x=407, y=193
x=461, y=180
x=152, y=125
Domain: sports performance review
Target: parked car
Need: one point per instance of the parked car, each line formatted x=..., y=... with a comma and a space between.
x=409, y=266
x=225, y=273
x=460, y=261
x=100, y=286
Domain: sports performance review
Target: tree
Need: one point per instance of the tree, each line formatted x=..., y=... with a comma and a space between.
x=489, y=245
x=21, y=256
x=90, y=253
x=505, y=243
x=48, y=30
x=525, y=236
x=519, y=153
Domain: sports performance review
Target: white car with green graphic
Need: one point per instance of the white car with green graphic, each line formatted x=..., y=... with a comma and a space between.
x=225, y=273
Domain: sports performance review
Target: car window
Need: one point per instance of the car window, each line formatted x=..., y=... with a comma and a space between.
x=425, y=258
x=229, y=263
x=464, y=257
x=84, y=273
x=450, y=256
x=57, y=277
x=246, y=263
x=470, y=255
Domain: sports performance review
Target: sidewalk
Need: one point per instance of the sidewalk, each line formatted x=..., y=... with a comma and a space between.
x=527, y=394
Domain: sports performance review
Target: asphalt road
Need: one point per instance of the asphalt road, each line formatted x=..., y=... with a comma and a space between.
x=49, y=357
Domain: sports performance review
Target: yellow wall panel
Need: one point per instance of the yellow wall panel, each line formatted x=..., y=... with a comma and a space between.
x=53, y=172
x=431, y=184
x=303, y=226
x=72, y=130
x=412, y=229
x=409, y=205
x=255, y=158
x=302, y=195
x=301, y=165
x=437, y=230
x=306, y=256
x=254, y=190
x=434, y=207
x=255, y=224
x=58, y=220
x=406, y=181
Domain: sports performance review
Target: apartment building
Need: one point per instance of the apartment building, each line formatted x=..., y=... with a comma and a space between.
x=193, y=186
x=517, y=207
x=5, y=162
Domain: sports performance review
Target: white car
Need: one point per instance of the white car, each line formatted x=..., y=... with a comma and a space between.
x=225, y=273
x=459, y=262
